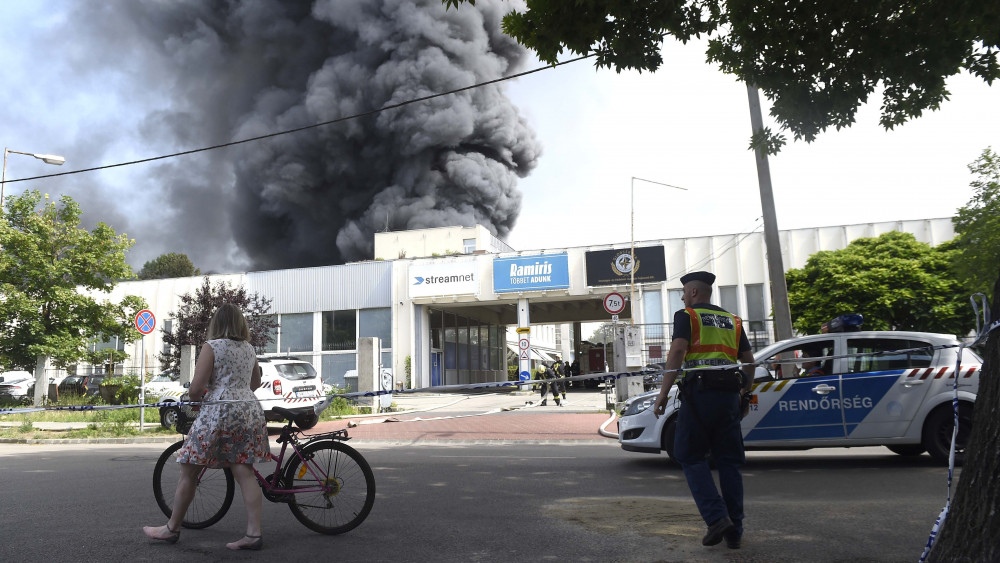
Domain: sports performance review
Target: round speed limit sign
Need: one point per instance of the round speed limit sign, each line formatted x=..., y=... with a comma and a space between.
x=614, y=303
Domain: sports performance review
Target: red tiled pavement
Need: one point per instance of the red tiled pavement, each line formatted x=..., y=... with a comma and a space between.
x=504, y=426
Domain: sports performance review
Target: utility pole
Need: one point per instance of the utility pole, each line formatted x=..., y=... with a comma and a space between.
x=775, y=265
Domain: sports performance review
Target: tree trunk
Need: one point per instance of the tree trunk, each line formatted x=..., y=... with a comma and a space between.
x=971, y=531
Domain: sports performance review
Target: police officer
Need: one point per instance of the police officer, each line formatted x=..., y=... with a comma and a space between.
x=714, y=400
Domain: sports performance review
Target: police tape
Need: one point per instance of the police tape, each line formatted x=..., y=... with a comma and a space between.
x=606, y=377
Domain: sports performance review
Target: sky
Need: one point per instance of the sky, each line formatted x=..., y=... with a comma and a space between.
x=687, y=125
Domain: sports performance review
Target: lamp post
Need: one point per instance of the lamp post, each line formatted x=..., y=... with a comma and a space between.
x=632, y=269
x=46, y=158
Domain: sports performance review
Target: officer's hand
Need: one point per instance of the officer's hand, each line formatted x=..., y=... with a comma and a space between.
x=659, y=407
x=744, y=405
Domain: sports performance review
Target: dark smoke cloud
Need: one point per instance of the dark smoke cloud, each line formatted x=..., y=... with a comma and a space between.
x=225, y=71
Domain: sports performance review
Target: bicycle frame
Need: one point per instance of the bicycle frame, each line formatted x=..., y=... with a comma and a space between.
x=288, y=437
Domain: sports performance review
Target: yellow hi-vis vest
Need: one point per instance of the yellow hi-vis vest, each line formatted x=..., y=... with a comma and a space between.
x=715, y=338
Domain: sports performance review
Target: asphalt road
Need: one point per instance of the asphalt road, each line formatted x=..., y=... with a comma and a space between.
x=501, y=502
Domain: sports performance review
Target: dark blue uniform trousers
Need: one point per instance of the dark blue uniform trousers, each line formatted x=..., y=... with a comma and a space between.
x=715, y=429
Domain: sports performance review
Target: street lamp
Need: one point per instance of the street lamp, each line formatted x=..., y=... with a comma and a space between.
x=46, y=158
x=632, y=269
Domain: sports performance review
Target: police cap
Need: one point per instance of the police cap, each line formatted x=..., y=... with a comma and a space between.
x=707, y=277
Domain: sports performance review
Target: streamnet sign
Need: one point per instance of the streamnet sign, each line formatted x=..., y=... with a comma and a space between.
x=443, y=278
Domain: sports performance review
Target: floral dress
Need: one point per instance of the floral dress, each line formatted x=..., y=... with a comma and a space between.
x=227, y=433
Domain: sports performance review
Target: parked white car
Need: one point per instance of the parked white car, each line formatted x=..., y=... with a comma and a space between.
x=287, y=383
x=894, y=389
x=16, y=383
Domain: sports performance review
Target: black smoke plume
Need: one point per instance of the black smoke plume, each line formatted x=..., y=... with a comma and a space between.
x=227, y=70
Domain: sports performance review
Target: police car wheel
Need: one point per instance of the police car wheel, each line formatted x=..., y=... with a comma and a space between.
x=938, y=430
x=168, y=417
x=667, y=437
x=907, y=449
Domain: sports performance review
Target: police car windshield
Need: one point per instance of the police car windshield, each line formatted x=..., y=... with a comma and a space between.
x=296, y=371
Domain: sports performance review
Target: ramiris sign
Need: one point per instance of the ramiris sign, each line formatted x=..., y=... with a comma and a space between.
x=531, y=273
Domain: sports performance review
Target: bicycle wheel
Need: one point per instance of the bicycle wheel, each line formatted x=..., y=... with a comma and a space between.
x=349, y=487
x=212, y=497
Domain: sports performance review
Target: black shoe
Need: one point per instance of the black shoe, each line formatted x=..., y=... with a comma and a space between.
x=544, y=401
x=733, y=539
x=717, y=531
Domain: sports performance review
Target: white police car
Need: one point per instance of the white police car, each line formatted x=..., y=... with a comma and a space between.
x=882, y=388
x=288, y=383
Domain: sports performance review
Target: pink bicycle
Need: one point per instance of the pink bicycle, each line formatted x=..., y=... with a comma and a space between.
x=328, y=485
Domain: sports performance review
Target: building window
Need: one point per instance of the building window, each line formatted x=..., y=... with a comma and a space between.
x=272, y=346
x=168, y=329
x=341, y=370
x=469, y=245
x=729, y=298
x=296, y=333
x=755, y=306
x=340, y=330
x=675, y=302
x=376, y=323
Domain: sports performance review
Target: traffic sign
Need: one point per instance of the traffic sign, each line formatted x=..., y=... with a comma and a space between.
x=145, y=321
x=523, y=329
x=523, y=344
x=614, y=303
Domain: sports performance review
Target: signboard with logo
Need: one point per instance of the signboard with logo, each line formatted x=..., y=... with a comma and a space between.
x=531, y=273
x=437, y=279
x=612, y=267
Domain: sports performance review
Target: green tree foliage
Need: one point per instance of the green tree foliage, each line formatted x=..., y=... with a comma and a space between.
x=50, y=271
x=977, y=244
x=170, y=265
x=603, y=333
x=893, y=280
x=190, y=325
x=816, y=61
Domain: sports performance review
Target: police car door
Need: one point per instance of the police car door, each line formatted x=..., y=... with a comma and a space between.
x=797, y=404
x=878, y=401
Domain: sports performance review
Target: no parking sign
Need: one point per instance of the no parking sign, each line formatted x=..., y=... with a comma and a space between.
x=145, y=321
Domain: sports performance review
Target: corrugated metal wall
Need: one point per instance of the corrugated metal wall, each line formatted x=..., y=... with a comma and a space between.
x=363, y=285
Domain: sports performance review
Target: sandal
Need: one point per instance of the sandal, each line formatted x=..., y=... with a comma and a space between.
x=255, y=545
x=172, y=538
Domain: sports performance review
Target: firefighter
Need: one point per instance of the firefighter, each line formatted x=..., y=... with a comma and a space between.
x=548, y=376
x=562, y=370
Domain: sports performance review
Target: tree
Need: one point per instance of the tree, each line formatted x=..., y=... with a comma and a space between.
x=817, y=62
x=972, y=527
x=170, y=265
x=50, y=271
x=190, y=324
x=603, y=334
x=977, y=225
x=893, y=280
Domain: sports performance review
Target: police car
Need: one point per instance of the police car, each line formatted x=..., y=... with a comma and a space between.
x=288, y=383
x=843, y=389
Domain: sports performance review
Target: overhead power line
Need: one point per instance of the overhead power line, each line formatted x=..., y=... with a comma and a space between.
x=297, y=129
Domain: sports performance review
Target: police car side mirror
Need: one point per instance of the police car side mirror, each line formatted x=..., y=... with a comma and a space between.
x=761, y=373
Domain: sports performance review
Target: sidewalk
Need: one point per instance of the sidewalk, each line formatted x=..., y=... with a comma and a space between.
x=491, y=417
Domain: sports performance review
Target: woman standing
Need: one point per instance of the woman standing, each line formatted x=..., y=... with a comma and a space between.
x=229, y=434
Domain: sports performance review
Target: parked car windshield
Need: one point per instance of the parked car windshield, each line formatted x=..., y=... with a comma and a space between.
x=296, y=371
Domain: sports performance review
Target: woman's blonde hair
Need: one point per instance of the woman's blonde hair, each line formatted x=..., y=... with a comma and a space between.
x=228, y=322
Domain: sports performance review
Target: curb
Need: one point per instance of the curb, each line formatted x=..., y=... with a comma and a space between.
x=129, y=440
